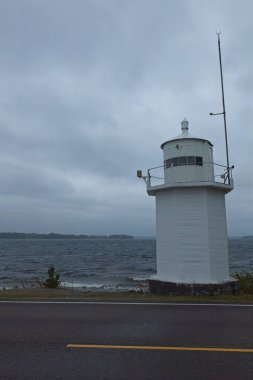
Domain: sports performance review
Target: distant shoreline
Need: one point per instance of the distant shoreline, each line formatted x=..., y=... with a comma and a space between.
x=52, y=235
x=21, y=235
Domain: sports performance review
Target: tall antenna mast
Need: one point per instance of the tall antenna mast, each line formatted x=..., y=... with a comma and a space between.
x=224, y=109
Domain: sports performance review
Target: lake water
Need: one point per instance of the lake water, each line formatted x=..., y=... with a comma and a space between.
x=94, y=264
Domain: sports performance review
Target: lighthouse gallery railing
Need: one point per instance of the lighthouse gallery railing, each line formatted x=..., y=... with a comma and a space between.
x=156, y=174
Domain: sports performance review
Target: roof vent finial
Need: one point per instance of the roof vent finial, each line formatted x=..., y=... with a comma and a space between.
x=184, y=125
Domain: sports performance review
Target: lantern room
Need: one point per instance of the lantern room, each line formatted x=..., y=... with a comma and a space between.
x=187, y=158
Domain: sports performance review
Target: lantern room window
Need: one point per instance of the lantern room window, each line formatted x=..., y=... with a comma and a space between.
x=167, y=163
x=199, y=161
x=175, y=161
x=183, y=160
x=191, y=160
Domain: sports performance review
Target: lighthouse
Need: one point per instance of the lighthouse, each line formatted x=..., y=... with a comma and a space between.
x=191, y=227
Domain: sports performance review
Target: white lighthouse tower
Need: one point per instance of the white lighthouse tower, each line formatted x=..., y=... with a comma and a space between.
x=191, y=228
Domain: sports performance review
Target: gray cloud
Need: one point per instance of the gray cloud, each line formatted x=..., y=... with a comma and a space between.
x=89, y=91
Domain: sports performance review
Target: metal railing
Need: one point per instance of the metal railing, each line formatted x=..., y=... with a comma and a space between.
x=156, y=174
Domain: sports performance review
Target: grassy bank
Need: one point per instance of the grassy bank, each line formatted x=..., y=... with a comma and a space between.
x=73, y=295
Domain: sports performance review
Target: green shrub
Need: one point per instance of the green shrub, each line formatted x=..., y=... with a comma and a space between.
x=245, y=282
x=52, y=280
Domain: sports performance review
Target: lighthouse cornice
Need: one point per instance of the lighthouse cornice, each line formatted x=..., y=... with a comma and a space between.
x=226, y=188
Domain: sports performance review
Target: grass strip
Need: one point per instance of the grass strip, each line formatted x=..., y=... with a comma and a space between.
x=77, y=295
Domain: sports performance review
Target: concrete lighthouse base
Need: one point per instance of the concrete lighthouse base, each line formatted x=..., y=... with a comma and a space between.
x=173, y=288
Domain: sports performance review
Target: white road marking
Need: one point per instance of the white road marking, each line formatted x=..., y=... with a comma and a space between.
x=127, y=303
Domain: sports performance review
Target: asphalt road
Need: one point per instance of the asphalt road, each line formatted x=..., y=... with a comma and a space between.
x=34, y=339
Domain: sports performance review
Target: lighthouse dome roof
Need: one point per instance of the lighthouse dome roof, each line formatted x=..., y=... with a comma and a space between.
x=185, y=134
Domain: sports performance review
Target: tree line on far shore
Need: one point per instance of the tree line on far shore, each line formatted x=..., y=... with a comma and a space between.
x=20, y=235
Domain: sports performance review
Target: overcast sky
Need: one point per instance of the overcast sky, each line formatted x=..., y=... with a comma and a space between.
x=89, y=89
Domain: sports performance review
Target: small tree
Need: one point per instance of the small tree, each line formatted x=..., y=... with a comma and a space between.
x=52, y=280
x=245, y=280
